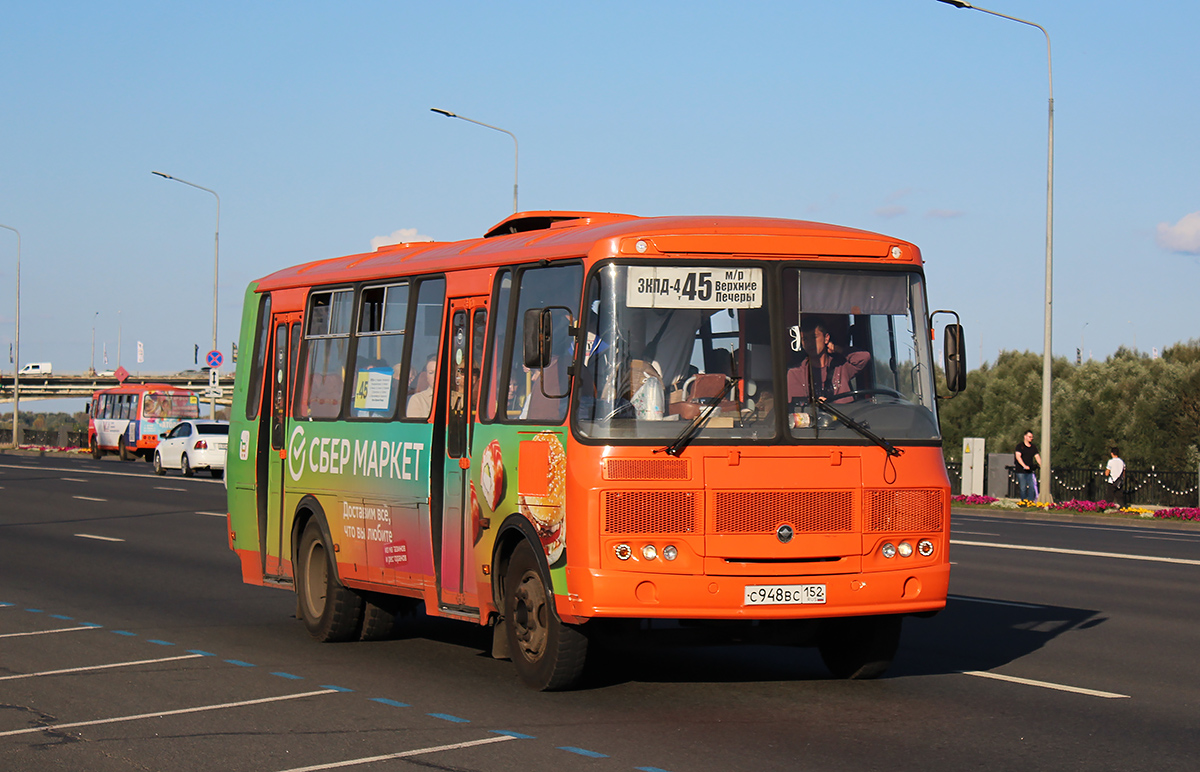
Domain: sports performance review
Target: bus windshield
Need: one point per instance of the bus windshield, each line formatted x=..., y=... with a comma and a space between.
x=165, y=404
x=666, y=344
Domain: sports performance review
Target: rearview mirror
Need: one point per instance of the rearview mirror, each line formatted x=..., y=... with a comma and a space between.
x=539, y=338
x=955, y=358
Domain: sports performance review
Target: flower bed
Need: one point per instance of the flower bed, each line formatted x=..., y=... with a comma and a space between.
x=1179, y=513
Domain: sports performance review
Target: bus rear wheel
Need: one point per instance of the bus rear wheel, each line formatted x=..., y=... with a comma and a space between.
x=548, y=654
x=859, y=647
x=96, y=452
x=123, y=450
x=330, y=611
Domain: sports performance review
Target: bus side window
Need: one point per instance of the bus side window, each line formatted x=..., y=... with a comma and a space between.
x=560, y=286
x=258, y=364
x=383, y=312
x=421, y=367
x=327, y=346
x=496, y=405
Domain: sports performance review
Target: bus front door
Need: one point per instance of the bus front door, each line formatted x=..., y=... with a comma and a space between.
x=272, y=455
x=458, y=394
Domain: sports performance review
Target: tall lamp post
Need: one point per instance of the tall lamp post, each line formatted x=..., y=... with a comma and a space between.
x=1044, y=483
x=16, y=342
x=449, y=114
x=216, y=267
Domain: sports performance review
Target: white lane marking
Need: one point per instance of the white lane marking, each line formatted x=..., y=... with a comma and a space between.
x=402, y=754
x=148, y=476
x=48, y=632
x=214, y=514
x=1164, y=538
x=88, y=498
x=1047, y=685
x=97, y=538
x=98, y=667
x=1086, y=553
x=974, y=533
x=72, y=479
x=993, y=602
x=162, y=713
x=161, y=488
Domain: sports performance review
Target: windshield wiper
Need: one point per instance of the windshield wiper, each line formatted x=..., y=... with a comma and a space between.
x=891, y=449
x=692, y=429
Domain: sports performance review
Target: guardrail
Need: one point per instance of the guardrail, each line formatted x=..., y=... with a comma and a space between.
x=1142, y=486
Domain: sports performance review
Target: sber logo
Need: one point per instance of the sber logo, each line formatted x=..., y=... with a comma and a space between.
x=296, y=453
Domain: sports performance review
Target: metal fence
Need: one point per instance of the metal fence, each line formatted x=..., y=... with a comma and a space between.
x=1152, y=486
x=46, y=438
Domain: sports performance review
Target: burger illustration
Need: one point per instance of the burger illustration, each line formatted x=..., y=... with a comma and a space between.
x=547, y=509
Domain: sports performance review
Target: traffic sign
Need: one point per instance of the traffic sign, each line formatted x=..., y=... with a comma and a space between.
x=213, y=358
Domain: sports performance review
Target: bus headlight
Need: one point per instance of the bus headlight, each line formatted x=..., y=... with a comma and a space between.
x=905, y=549
x=649, y=552
x=888, y=550
x=670, y=552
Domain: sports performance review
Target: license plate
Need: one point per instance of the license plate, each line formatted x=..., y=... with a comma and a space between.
x=784, y=594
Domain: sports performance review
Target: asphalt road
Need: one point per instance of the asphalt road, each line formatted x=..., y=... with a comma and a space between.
x=127, y=641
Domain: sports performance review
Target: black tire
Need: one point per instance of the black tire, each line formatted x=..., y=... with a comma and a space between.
x=859, y=647
x=548, y=654
x=96, y=452
x=217, y=473
x=383, y=616
x=185, y=466
x=330, y=611
x=123, y=450
x=158, y=467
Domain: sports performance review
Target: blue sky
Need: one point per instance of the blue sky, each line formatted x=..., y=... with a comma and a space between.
x=312, y=121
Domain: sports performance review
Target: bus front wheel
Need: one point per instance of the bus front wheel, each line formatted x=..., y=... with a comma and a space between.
x=859, y=647
x=96, y=452
x=548, y=654
x=330, y=611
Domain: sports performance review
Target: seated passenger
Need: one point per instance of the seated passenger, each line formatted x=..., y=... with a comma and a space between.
x=832, y=366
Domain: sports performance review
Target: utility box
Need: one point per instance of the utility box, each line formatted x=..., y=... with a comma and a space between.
x=998, y=474
x=974, y=462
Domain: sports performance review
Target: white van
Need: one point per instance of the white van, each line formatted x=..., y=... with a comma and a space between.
x=37, y=368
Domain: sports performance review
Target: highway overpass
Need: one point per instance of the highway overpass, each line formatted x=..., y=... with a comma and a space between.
x=36, y=387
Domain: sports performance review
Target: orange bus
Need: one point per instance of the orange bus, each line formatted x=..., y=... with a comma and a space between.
x=584, y=421
x=129, y=419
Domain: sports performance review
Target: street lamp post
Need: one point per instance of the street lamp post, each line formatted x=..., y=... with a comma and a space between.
x=449, y=114
x=216, y=266
x=16, y=342
x=1044, y=492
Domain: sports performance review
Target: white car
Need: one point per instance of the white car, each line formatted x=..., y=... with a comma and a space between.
x=193, y=444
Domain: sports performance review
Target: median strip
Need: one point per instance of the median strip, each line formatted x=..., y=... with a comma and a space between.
x=1085, y=553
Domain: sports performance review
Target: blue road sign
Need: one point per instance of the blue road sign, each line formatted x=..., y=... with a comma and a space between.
x=213, y=358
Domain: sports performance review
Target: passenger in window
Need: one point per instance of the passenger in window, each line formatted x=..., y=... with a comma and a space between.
x=421, y=400
x=826, y=365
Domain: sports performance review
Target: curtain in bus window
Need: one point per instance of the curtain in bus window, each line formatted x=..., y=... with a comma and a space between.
x=380, y=350
x=426, y=334
x=853, y=292
x=539, y=392
x=499, y=336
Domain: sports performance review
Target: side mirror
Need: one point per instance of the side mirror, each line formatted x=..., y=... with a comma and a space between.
x=538, y=338
x=955, y=358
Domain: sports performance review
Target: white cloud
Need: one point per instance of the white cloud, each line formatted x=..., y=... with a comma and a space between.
x=402, y=236
x=894, y=210
x=944, y=214
x=1183, y=236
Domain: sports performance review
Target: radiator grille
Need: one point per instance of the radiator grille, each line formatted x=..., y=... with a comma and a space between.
x=646, y=469
x=650, y=512
x=902, y=510
x=764, y=511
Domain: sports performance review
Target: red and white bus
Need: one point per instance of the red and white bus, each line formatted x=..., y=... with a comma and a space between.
x=585, y=421
x=129, y=419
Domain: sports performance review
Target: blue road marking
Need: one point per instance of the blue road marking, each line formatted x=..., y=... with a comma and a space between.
x=160, y=643
x=583, y=752
x=448, y=717
x=393, y=703
x=289, y=676
x=64, y=617
x=649, y=769
x=510, y=733
x=125, y=632
x=336, y=688
x=34, y=610
x=201, y=653
x=239, y=663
